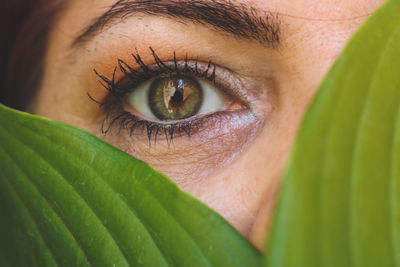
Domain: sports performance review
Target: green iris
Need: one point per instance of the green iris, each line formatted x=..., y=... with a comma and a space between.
x=175, y=97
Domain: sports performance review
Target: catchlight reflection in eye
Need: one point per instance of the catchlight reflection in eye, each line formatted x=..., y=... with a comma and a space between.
x=176, y=97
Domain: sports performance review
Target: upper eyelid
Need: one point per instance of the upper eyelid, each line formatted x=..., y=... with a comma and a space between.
x=172, y=66
x=173, y=62
x=197, y=69
x=141, y=67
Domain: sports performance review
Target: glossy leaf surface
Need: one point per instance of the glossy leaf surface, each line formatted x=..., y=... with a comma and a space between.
x=69, y=199
x=340, y=202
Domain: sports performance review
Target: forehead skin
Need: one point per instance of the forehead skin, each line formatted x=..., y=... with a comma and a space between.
x=313, y=34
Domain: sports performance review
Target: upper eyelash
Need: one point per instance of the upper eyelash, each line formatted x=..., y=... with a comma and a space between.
x=145, y=72
x=137, y=76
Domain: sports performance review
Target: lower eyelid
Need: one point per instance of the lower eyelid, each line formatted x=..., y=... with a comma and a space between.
x=213, y=124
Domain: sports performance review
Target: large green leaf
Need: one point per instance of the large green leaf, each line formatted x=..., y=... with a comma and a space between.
x=340, y=202
x=69, y=199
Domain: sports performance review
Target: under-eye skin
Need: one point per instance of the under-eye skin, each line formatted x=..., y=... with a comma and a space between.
x=170, y=98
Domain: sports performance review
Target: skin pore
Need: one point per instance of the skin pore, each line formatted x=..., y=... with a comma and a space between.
x=233, y=160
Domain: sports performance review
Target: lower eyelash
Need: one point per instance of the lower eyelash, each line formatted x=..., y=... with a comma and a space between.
x=126, y=121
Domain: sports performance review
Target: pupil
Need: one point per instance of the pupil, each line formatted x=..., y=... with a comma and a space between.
x=177, y=99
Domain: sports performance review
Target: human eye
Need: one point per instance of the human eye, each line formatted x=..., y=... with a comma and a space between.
x=168, y=98
x=169, y=110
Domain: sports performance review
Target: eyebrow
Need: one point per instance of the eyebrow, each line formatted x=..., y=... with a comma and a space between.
x=235, y=19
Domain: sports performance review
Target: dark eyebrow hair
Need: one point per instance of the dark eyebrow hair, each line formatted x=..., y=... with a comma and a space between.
x=236, y=19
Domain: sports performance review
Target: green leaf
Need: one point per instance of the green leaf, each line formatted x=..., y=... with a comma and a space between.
x=69, y=199
x=340, y=202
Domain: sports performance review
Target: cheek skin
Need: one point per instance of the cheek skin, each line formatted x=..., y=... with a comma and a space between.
x=239, y=191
